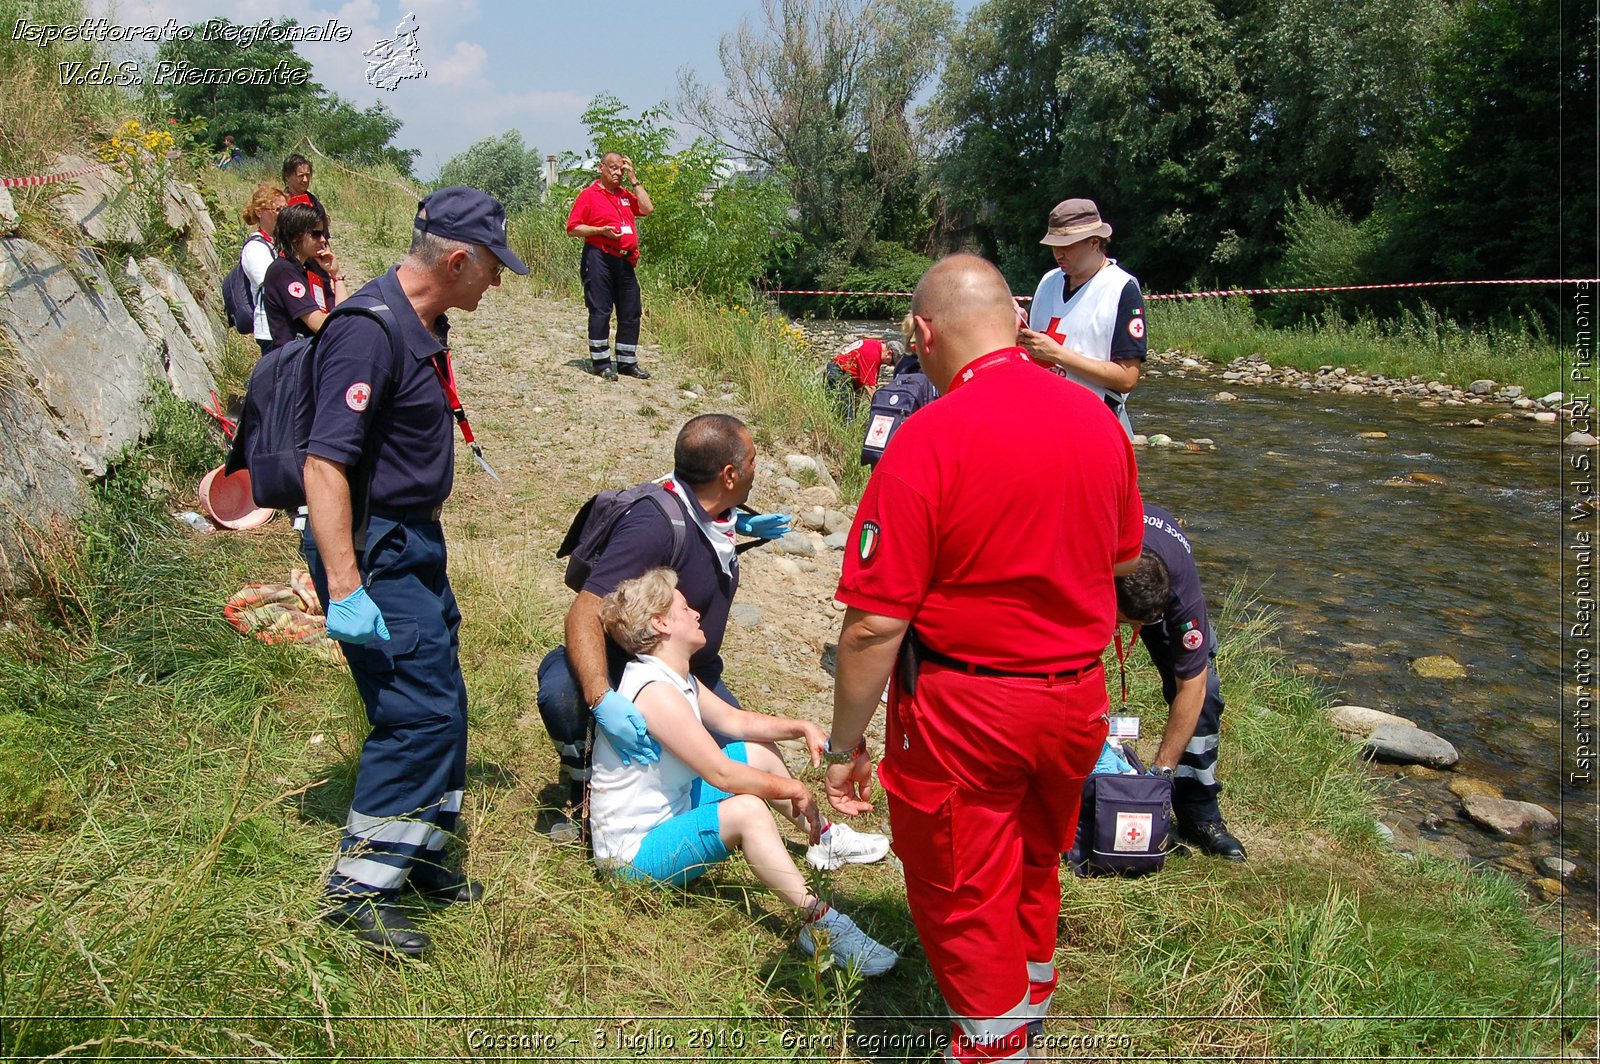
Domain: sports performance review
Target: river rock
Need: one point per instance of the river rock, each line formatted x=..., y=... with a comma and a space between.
x=837, y=541
x=1140, y=440
x=1544, y=417
x=1507, y=817
x=1481, y=387
x=744, y=614
x=813, y=518
x=1160, y=439
x=786, y=566
x=1467, y=787
x=1438, y=667
x=1553, y=399
x=1580, y=439
x=797, y=464
x=1225, y=397
x=1446, y=847
x=1512, y=391
x=786, y=483
x=1558, y=867
x=1476, y=423
x=821, y=495
x=1551, y=887
x=1398, y=833
x=796, y=543
x=1405, y=745
x=1357, y=722
x=835, y=521
x=1523, y=404
x=1374, y=435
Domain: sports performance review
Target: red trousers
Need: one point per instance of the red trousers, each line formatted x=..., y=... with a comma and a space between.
x=984, y=776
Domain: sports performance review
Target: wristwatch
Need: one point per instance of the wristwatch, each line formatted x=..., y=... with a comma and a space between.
x=1161, y=770
x=843, y=757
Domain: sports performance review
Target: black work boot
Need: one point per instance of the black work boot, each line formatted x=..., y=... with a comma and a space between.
x=1214, y=838
x=445, y=886
x=634, y=370
x=603, y=369
x=379, y=925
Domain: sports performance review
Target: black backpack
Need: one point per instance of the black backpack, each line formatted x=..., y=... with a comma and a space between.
x=238, y=301
x=596, y=519
x=1124, y=823
x=907, y=392
x=276, y=422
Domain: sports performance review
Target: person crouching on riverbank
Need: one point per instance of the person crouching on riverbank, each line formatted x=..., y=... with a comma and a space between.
x=671, y=820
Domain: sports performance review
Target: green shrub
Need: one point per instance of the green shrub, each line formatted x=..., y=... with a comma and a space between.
x=501, y=166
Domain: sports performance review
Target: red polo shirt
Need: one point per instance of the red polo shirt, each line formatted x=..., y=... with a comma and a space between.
x=995, y=520
x=861, y=360
x=596, y=206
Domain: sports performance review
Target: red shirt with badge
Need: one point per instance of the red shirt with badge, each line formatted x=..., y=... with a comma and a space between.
x=991, y=533
x=861, y=360
x=596, y=206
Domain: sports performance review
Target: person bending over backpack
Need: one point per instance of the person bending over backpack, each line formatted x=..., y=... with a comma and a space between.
x=671, y=820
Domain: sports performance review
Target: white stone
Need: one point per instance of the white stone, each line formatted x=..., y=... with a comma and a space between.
x=1580, y=439
x=1406, y=745
x=1544, y=416
x=1225, y=397
x=1359, y=720
x=799, y=463
x=1553, y=399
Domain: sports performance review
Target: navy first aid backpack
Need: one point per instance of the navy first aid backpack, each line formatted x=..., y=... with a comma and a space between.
x=238, y=301
x=908, y=391
x=596, y=519
x=1124, y=824
x=276, y=423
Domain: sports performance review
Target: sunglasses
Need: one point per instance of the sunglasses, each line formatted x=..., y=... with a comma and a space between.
x=319, y=234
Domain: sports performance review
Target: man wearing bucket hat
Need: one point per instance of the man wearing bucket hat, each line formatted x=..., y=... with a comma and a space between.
x=1087, y=318
x=380, y=464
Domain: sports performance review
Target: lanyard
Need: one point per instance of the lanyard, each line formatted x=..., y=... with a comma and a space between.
x=447, y=380
x=992, y=361
x=1122, y=659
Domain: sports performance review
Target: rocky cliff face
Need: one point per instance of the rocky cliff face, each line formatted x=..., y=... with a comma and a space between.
x=79, y=361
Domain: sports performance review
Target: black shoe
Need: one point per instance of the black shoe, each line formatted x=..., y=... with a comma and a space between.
x=634, y=370
x=380, y=926
x=604, y=370
x=1214, y=838
x=447, y=888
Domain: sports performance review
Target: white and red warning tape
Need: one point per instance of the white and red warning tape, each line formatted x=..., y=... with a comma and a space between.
x=51, y=179
x=1235, y=291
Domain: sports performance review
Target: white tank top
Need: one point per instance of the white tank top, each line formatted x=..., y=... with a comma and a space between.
x=1087, y=320
x=627, y=801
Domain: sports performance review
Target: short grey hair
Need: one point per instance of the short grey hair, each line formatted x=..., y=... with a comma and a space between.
x=429, y=250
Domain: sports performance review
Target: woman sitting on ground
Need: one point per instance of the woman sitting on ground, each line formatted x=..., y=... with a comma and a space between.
x=304, y=283
x=672, y=820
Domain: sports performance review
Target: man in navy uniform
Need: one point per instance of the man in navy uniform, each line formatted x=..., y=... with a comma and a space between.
x=380, y=464
x=1163, y=600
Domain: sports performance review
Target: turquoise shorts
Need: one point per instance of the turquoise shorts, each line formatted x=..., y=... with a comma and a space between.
x=686, y=846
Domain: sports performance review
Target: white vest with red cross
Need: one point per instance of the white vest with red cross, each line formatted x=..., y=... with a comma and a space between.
x=1085, y=322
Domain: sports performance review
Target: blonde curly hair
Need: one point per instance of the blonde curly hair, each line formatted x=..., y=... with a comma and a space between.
x=626, y=613
x=265, y=195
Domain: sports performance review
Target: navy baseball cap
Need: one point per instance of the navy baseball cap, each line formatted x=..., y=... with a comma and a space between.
x=471, y=216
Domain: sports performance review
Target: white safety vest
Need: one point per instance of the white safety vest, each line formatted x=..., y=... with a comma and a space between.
x=1084, y=323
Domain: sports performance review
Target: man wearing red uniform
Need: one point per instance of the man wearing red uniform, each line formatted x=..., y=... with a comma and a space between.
x=989, y=543
x=605, y=217
x=853, y=372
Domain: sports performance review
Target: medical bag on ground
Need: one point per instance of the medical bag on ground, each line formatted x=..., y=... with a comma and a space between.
x=1124, y=824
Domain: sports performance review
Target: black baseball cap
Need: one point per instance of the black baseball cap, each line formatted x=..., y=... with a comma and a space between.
x=471, y=216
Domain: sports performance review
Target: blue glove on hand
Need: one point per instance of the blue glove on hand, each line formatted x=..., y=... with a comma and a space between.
x=763, y=526
x=625, y=728
x=356, y=618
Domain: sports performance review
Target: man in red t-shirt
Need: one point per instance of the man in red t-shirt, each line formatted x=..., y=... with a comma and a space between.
x=989, y=543
x=605, y=217
x=852, y=374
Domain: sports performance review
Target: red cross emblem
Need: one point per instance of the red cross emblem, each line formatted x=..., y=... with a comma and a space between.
x=1133, y=834
x=357, y=395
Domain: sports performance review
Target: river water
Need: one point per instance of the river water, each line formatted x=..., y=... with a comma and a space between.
x=1365, y=577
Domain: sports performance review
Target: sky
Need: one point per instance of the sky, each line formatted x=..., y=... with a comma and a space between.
x=493, y=65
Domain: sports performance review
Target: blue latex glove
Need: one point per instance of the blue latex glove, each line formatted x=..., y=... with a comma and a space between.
x=764, y=526
x=1111, y=761
x=356, y=618
x=625, y=728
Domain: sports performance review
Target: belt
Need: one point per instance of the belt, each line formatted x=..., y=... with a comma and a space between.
x=408, y=515
x=927, y=653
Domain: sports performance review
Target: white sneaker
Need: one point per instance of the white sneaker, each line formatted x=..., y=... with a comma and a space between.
x=842, y=845
x=845, y=943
